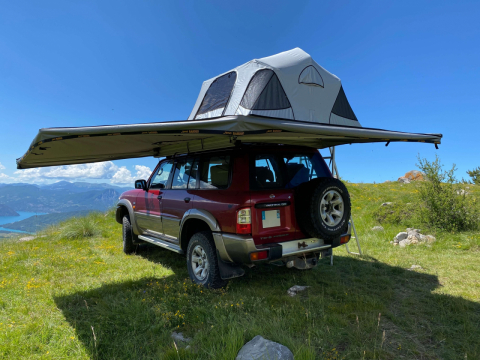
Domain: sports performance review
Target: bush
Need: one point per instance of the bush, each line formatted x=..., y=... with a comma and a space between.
x=443, y=204
x=475, y=175
x=397, y=214
x=80, y=227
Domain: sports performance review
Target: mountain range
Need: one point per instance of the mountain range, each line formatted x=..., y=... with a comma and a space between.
x=59, y=197
x=7, y=211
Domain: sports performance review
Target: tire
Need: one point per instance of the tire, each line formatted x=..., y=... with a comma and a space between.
x=323, y=208
x=202, y=254
x=128, y=235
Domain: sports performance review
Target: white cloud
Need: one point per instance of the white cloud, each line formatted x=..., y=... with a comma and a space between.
x=4, y=177
x=143, y=172
x=124, y=176
x=97, y=171
x=2, y=167
x=102, y=170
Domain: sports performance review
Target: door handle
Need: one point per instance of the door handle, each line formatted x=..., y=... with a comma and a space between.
x=187, y=199
x=159, y=197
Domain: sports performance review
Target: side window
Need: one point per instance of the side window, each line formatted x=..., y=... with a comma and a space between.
x=160, y=179
x=215, y=172
x=192, y=181
x=267, y=172
x=181, y=174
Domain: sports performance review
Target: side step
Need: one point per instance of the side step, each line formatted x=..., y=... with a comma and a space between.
x=161, y=243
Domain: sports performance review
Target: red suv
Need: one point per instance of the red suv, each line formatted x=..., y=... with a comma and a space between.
x=238, y=206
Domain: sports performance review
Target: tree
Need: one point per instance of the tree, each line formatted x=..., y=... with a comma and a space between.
x=475, y=175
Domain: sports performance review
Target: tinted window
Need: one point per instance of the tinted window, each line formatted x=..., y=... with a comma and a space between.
x=192, y=181
x=181, y=174
x=275, y=171
x=267, y=172
x=215, y=172
x=303, y=168
x=218, y=93
x=161, y=176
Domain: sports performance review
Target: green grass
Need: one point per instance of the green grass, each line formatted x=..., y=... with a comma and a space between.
x=83, y=298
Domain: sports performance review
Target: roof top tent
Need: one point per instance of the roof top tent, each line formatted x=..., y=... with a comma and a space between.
x=289, y=85
x=282, y=99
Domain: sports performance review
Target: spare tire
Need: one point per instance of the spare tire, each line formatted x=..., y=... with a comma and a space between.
x=322, y=208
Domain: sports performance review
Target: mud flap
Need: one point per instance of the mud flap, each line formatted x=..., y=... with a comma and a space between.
x=229, y=270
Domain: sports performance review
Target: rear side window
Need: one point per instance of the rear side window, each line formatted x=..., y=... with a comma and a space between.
x=285, y=171
x=215, y=172
x=181, y=174
x=303, y=168
x=267, y=172
x=218, y=94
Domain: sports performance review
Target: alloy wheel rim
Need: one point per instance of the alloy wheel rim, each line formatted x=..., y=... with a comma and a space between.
x=200, y=264
x=332, y=208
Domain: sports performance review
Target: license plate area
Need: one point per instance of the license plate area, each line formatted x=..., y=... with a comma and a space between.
x=270, y=219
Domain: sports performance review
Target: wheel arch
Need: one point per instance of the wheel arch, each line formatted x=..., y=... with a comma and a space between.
x=193, y=221
x=125, y=207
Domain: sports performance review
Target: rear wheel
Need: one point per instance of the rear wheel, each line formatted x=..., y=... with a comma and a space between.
x=128, y=235
x=202, y=262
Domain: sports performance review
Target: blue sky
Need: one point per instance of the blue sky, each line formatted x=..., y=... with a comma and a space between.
x=409, y=66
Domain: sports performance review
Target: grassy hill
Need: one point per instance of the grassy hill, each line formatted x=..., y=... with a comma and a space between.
x=83, y=298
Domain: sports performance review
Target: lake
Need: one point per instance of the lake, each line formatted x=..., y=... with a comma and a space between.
x=10, y=219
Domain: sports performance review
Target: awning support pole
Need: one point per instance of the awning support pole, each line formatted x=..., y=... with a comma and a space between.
x=333, y=168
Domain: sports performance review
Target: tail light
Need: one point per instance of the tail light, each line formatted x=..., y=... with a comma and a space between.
x=259, y=255
x=345, y=239
x=244, y=221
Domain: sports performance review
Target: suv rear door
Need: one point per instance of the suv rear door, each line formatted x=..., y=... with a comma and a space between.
x=273, y=215
x=273, y=178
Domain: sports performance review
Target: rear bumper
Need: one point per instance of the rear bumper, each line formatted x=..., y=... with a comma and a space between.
x=237, y=248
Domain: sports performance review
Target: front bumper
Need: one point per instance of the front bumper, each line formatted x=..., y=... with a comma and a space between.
x=237, y=248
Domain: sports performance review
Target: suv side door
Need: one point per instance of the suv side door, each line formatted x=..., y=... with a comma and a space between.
x=178, y=198
x=148, y=204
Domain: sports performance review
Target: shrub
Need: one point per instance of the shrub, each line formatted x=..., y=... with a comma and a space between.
x=397, y=214
x=80, y=227
x=443, y=205
x=475, y=175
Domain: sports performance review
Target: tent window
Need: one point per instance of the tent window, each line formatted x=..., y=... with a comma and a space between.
x=265, y=92
x=218, y=93
x=310, y=76
x=342, y=107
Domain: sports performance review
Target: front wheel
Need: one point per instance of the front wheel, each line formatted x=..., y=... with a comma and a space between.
x=128, y=235
x=202, y=263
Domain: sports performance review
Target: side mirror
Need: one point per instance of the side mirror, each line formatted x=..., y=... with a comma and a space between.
x=141, y=184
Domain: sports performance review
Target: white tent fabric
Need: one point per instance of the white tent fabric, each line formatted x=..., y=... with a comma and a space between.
x=313, y=93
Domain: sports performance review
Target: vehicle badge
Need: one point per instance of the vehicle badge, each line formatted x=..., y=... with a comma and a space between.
x=272, y=196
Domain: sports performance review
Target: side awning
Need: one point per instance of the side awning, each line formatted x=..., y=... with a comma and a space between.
x=79, y=145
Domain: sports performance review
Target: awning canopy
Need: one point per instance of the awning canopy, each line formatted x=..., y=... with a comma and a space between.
x=78, y=145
